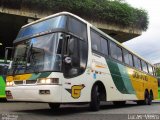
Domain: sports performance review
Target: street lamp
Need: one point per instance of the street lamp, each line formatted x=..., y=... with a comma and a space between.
x=1, y=44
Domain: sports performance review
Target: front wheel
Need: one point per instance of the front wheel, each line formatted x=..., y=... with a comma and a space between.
x=95, y=99
x=54, y=106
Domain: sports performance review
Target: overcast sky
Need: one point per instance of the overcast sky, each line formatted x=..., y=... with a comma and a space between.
x=148, y=44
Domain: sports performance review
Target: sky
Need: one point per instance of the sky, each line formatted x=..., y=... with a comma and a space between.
x=148, y=44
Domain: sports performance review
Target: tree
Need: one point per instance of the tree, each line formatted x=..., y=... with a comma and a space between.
x=158, y=71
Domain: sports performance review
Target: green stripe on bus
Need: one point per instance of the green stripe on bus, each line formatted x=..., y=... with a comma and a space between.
x=44, y=75
x=116, y=76
x=34, y=76
x=2, y=87
x=126, y=79
x=120, y=77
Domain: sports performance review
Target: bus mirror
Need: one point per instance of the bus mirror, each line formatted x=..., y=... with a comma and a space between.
x=68, y=37
x=68, y=60
x=6, y=53
x=10, y=65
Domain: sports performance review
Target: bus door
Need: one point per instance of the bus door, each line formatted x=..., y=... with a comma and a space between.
x=74, y=66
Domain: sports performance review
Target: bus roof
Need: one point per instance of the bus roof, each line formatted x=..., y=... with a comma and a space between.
x=81, y=19
x=54, y=15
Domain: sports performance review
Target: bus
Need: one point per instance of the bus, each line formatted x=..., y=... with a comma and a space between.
x=3, y=71
x=62, y=59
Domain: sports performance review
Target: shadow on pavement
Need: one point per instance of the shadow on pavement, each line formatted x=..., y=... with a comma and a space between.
x=73, y=109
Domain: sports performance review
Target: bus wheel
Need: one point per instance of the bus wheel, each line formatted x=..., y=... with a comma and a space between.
x=95, y=99
x=54, y=106
x=148, y=99
x=151, y=97
x=119, y=103
x=3, y=100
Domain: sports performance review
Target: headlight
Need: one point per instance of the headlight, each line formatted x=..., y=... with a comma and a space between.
x=8, y=84
x=48, y=81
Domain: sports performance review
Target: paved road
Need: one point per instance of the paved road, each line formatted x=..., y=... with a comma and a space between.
x=41, y=111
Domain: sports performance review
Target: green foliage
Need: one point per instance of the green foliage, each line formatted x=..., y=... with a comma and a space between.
x=115, y=12
x=158, y=72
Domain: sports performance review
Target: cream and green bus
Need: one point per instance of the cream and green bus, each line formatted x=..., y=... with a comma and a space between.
x=64, y=59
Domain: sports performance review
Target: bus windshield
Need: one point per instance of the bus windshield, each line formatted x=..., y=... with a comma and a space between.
x=43, y=26
x=38, y=54
x=38, y=46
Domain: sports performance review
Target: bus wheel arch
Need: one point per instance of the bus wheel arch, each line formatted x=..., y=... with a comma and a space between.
x=101, y=89
x=98, y=93
x=146, y=100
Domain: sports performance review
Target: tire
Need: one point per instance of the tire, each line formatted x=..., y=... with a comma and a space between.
x=54, y=106
x=119, y=103
x=151, y=96
x=3, y=100
x=95, y=99
x=147, y=100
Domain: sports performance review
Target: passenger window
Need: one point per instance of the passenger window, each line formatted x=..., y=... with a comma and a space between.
x=119, y=54
x=125, y=56
x=104, y=46
x=95, y=41
x=130, y=59
x=144, y=66
x=150, y=69
x=137, y=63
x=113, y=49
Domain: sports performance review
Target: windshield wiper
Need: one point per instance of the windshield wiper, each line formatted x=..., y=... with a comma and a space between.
x=31, y=59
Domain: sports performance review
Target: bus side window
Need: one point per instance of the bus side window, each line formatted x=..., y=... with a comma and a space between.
x=116, y=51
x=131, y=60
x=150, y=69
x=126, y=56
x=95, y=41
x=104, y=46
x=113, y=50
x=144, y=66
x=137, y=62
x=119, y=54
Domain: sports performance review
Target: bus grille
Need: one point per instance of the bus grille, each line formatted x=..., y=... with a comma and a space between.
x=18, y=82
x=25, y=82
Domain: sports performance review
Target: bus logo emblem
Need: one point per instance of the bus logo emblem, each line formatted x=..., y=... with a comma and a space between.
x=75, y=91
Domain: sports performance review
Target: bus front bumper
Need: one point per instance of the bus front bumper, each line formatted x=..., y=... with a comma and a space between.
x=39, y=93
